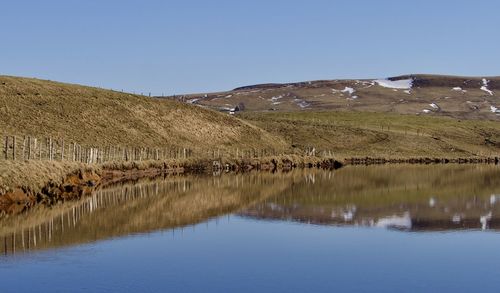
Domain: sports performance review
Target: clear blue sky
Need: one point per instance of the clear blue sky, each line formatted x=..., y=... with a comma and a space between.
x=194, y=46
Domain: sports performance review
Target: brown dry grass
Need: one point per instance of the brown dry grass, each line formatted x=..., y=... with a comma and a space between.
x=34, y=175
x=382, y=135
x=92, y=116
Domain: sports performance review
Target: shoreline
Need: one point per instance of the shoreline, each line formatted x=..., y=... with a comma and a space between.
x=59, y=181
x=423, y=161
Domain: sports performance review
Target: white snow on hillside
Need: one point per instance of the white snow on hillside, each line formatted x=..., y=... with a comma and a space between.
x=403, y=84
x=459, y=89
x=348, y=90
x=485, y=87
x=433, y=105
x=301, y=103
x=426, y=110
x=494, y=109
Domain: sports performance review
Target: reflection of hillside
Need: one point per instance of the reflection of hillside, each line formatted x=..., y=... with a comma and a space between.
x=138, y=208
x=419, y=198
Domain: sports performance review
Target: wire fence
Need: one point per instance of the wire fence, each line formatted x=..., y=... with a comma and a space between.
x=22, y=148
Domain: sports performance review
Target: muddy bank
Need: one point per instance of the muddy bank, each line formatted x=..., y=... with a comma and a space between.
x=80, y=180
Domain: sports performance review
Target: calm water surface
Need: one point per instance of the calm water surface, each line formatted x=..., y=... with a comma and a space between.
x=357, y=229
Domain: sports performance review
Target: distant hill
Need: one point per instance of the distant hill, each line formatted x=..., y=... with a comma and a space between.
x=100, y=117
x=458, y=97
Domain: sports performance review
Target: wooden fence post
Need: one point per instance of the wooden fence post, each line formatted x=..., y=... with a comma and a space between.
x=6, y=148
x=24, y=148
x=50, y=148
x=14, y=148
x=34, y=148
x=62, y=150
x=40, y=151
x=29, y=147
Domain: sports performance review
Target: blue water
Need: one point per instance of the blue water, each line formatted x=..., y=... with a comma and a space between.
x=368, y=229
x=243, y=255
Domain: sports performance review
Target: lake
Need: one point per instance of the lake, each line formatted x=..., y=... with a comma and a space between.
x=400, y=228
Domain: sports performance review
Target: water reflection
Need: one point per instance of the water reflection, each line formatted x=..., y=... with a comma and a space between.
x=137, y=207
x=408, y=198
x=411, y=198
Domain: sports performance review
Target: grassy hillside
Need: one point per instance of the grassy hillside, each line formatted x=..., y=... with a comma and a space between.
x=100, y=117
x=382, y=134
x=428, y=95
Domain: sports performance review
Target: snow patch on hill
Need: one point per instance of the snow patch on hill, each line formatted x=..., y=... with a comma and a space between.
x=404, y=84
x=301, y=103
x=348, y=90
x=485, y=87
